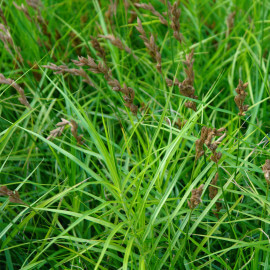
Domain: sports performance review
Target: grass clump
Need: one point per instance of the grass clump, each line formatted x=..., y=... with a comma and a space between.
x=161, y=157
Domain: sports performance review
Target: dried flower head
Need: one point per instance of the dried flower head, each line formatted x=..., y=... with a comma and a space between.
x=37, y=19
x=76, y=43
x=186, y=87
x=35, y=4
x=23, y=9
x=112, y=9
x=129, y=98
x=12, y=195
x=150, y=8
x=180, y=123
x=93, y=67
x=266, y=171
x=175, y=14
x=60, y=128
x=63, y=69
x=150, y=45
x=23, y=100
x=133, y=16
x=240, y=98
x=3, y=16
x=207, y=136
x=103, y=69
x=195, y=197
x=96, y=45
x=6, y=38
x=118, y=43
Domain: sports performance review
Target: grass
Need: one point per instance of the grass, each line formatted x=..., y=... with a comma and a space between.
x=120, y=200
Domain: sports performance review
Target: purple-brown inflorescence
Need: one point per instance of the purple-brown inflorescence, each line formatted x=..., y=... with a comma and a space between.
x=133, y=14
x=240, y=98
x=100, y=51
x=2, y=15
x=6, y=38
x=186, y=87
x=150, y=45
x=180, y=123
x=38, y=20
x=35, y=4
x=60, y=128
x=119, y=44
x=12, y=195
x=266, y=171
x=175, y=14
x=195, y=197
x=112, y=9
x=128, y=92
x=150, y=8
x=23, y=9
x=63, y=69
x=207, y=135
x=23, y=100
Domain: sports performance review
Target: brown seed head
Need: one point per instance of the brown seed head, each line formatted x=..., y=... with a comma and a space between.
x=119, y=44
x=96, y=45
x=63, y=69
x=195, y=197
x=3, y=16
x=175, y=14
x=13, y=196
x=213, y=190
x=150, y=8
x=61, y=126
x=186, y=87
x=180, y=123
x=207, y=136
x=23, y=100
x=240, y=98
x=150, y=45
x=266, y=171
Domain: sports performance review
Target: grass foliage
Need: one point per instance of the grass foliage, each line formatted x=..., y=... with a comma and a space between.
x=119, y=197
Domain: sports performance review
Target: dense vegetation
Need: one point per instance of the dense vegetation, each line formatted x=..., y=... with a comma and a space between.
x=126, y=141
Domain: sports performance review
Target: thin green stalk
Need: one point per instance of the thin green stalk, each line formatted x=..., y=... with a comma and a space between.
x=233, y=233
x=185, y=239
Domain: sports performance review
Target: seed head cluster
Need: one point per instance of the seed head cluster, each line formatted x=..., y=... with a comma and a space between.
x=23, y=100
x=186, y=87
x=207, y=135
x=150, y=8
x=129, y=93
x=266, y=171
x=64, y=69
x=119, y=44
x=150, y=45
x=195, y=197
x=12, y=195
x=240, y=98
x=6, y=38
x=60, y=128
